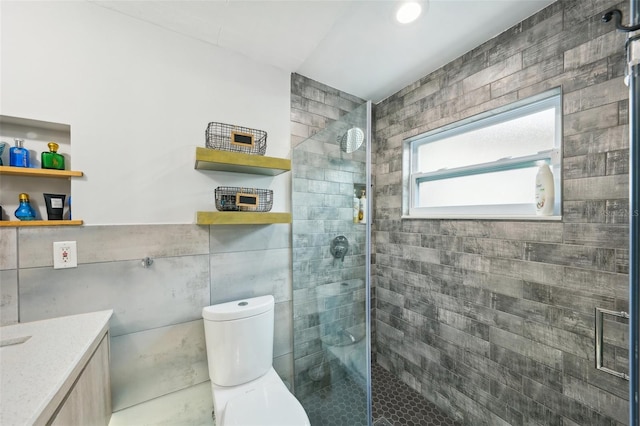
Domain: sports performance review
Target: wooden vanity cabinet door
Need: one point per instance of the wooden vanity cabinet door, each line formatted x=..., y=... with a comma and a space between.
x=88, y=403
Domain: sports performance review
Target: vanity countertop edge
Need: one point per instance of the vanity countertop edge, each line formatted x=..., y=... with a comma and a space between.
x=36, y=375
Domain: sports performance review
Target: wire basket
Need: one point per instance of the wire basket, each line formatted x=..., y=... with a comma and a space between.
x=227, y=137
x=233, y=198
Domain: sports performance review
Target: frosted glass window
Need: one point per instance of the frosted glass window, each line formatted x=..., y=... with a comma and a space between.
x=514, y=138
x=481, y=189
x=485, y=165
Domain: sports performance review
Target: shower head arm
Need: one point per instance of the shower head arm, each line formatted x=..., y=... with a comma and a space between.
x=616, y=14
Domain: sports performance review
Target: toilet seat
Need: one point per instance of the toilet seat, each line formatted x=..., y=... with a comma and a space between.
x=268, y=406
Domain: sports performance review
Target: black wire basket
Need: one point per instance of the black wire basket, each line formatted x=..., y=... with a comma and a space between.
x=227, y=137
x=236, y=199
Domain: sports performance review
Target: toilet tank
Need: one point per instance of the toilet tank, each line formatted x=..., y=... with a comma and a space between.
x=239, y=339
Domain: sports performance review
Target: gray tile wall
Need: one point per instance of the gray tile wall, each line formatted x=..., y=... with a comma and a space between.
x=315, y=105
x=493, y=320
x=157, y=335
x=322, y=204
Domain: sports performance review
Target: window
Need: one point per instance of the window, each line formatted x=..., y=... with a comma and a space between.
x=486, y=165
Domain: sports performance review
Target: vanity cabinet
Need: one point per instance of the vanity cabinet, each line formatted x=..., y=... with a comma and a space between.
x=211, y=159
x=88, y=402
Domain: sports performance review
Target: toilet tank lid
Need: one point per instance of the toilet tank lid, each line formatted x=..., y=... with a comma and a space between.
x=237, y=309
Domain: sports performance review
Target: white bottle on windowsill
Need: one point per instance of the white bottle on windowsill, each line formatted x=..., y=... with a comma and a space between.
x=545, y=197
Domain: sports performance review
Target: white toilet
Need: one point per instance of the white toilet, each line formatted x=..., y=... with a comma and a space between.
x=246, y=389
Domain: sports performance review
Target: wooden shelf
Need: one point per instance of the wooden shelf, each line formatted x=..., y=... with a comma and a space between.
x=225, y=161
x=241, y=218
x=21, y=223
x=24, y=171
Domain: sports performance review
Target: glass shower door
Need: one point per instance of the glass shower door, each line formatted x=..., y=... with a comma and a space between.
x=331, y=258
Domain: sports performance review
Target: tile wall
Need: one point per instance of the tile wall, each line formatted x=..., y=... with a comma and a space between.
x=493, y=320
x=157, y=334
x=322, y=204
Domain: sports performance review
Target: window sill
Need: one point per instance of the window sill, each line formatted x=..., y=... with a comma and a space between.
x=486, y=217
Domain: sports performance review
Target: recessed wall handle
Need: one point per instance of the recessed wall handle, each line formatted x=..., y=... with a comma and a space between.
x=600, y=340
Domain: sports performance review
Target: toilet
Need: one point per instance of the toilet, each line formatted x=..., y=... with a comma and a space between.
x=246, y=389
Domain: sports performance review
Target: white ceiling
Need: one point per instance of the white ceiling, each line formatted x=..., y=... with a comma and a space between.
x=352, y=45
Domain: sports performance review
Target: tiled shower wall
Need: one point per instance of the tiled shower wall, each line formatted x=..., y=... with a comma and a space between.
x=491, y=319
x=157, y=334
x=314, y=106
x=323, y=182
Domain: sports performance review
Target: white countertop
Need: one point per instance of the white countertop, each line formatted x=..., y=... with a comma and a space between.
x=36, y=375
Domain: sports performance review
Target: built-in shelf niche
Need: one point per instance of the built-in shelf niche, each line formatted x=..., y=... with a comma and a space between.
x=34, y=180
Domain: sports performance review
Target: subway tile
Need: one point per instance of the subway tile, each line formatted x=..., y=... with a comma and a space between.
x=566, y=341
x=493, y=247
x=572, y=255
x=540, y=26
x=593, y=50
x=156, y=362
x=597, y=235
x=598, y=141
x=577, y=300
x=590, y=211
x=538, y=352
x=527, y=368
x=173, y=290
x=617, y=211
x=601, y=401
x=617, y=162
x=583, y=370
x=599, y=282
x=584, y=166
x=535, y=73
x=595, y=95
x=493, y=283
x=597, y=118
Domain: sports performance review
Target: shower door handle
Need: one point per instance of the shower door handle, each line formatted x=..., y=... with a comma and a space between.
x=600, y=340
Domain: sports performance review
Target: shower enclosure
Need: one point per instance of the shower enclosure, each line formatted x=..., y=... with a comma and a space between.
x=331, y=261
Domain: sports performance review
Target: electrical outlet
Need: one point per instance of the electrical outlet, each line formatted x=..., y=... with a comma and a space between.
x=65, y=255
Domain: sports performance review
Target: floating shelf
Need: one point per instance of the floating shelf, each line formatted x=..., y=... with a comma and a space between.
x=21, y=223
x=25, y=171
x=226, y=161
x=241, y=218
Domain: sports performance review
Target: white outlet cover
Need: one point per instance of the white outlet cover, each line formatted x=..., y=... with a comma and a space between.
x=65, y=255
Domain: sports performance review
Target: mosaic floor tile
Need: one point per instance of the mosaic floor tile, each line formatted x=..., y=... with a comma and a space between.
x=400, y=405
x=394, y=404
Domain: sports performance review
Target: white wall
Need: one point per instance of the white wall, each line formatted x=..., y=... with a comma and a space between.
x=138, y=99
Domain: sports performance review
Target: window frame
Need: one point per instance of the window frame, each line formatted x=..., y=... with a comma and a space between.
x=552, y=157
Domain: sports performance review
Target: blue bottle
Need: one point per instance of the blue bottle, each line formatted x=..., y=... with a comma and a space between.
x=24, y=210
x=18, y=155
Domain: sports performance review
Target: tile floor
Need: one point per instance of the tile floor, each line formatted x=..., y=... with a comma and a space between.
x=394, y=404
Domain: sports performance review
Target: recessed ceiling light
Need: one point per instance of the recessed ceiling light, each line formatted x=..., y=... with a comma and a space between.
x=408, y=12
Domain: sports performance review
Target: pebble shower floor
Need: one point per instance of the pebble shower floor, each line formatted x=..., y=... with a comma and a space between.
x=394, y=404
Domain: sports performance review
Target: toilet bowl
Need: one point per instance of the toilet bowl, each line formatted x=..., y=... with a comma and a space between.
x=246, y=389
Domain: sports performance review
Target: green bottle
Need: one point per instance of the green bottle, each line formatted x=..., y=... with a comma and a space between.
x=51, y=159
